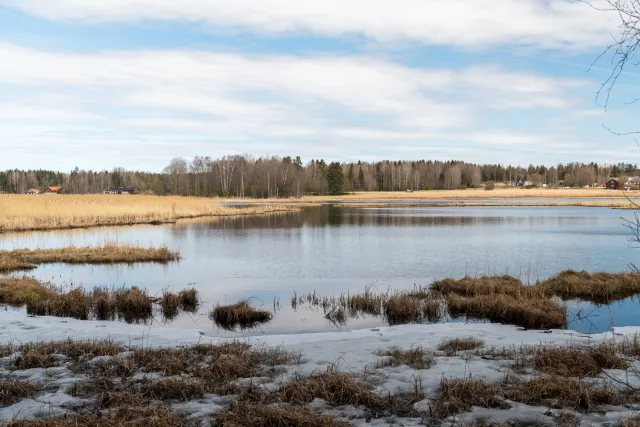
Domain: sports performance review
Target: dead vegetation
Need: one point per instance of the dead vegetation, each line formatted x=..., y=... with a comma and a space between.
x=455, y=345
x=458, y=395
x=12, y=391
x=243, y=414
x=26, y=259
x=415, y=357
x=600, y=288
x=241, y=314
x=576, y=361
x=21, y=290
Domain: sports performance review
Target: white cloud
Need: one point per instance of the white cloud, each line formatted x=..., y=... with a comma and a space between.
x=540, y=23
x=157, y=104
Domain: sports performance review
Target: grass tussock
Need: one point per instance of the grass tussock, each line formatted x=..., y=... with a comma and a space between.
x=455, y=345
x=14, y=391
x=630, y=346
x=241, y=314
x=129, y=416
x=458, y=395
x=21, y=259
x=171, y=389
x=561, y=393
x=530, y=313
x=21, y=290
x=416, y=358
x=577, y=361
x=600, y=288
x=46, y=354
x=25, y=213
x=243, y=414
x=189, y=299
x=502, y=285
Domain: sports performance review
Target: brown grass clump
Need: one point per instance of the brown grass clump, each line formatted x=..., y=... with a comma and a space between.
x=41, y=354
x=21, y=259
x=630, y=422
x=77, y=303
x=403, y=309
x=630, y=346
x=336, y=387
x=21, y=290
x=560, y=392
x=104, y=304
x=241, y=314
x=453, y=346
x=128, y=416
x=15, y=391
x=416, y=358
x=244, y=414
x=170, y=304
x=600, y=288
x=133, y=303
x=577, y=362
x=171, y=389
x=189, y=299
x=503, y=285
x=34, y=358
x=337, y=316
x=527, y=312
x=460, y=394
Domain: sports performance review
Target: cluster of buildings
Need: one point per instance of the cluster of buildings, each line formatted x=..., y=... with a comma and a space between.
x=110, y=190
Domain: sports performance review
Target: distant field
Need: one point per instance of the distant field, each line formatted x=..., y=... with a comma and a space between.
x=22, y=212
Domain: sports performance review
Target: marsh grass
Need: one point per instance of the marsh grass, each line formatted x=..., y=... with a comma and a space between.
x=458, y=395
x=415, y=357
x=630, y=346
x=453, y=346
x=21, y=290
x=241, y=314
x=531, y=313
x=170, y=304
x=25, y=259
x=24, y=213
x=189, y=299
x=490, y=285
x=576, y=361
x=12, y=391
x=600, y=288
x=243, y=414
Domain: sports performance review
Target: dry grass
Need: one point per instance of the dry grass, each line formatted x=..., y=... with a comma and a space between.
x=241, y=314
x=43, y=354
x=561, y=393
x=21, y=290
x=453, y=346
x=245, y=414
x=416, y=358
x=128, y=416
x=22, y=212
x=189, y=299
x=403, y=309
x=577, y=361
x=460, y=394
x=601, y=288
x=532, y=313
x=504, y=285
x=14, y=391
x=630, y=346
x=24, y=259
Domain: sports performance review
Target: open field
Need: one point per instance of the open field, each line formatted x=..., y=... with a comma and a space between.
x=109, y=253
x=23, y=212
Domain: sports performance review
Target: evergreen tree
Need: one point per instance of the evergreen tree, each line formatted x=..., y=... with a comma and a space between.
x=335, y=179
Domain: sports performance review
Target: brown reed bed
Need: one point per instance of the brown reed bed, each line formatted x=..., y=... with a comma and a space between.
x=25, y=259
x=21, y=290
x=458, y=395
x=600, y=288
x=630, y=346
x=12, y=391
x=243, y=414
x=186, y=300
x=531, y=313
x=25, y=213
x=489, y=285
x=241, y=314
x=415, y=357
x=456, y=345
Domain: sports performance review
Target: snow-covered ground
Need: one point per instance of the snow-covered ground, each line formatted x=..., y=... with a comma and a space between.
x=352, y=351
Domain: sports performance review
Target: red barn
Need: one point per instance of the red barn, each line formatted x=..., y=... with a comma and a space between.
x=53, y=190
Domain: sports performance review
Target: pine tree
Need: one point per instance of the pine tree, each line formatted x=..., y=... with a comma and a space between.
x=335, y=179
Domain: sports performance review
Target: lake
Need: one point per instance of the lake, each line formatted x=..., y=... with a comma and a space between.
x=338, y=249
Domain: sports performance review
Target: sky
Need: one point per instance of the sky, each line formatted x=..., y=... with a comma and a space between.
x=135, y=83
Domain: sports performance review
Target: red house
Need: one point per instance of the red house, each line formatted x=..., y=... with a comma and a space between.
x=53, y=190
x=613, y=184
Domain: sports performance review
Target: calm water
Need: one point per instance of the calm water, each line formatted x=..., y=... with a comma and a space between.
x=339, y=249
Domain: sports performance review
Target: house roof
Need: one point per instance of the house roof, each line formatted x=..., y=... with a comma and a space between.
x=33, y=189
x=613, y=179
x=54, y=188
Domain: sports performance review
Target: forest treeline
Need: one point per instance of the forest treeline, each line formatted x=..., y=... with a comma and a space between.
x=245, y=176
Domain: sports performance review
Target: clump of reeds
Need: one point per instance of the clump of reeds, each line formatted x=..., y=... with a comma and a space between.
x=415, y=357
x=458, y=395
x=170, y=304
x=77, y=303
x=455, y=345
x=502, y=285
x=21, y=259
x=171, y=389
x=12, y=391
x=532, y=313
x=577, y=361
x=244, y=414
x=133, y=303
x=241, y=314
x=630, y=346
x=337, y=316
x=189, y=299
x=601, y=288
x=21, y=290
x=403, y=309
x=561, y=392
